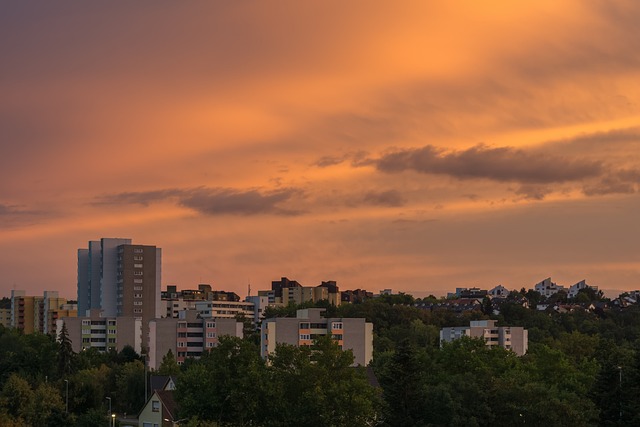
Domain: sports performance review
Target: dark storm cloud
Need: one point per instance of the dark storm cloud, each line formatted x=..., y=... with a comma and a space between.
x=390, y=198
x=504, y=164
x=215, y=201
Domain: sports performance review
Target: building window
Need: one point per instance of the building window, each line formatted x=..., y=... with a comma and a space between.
x=137, y=288
x=137, y=280
x=137, y=295
x=155, y=406
x=137, y=250
x=304, y=326
x=137, y=310
x=137, y=265
x=137, y=273
x=305, y=336
x=336, y=325
x=137, y=258
x=211, y=325
x=211, y=334
x=137, y=303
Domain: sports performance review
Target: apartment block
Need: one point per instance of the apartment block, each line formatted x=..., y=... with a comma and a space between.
x=511, y=338
x=208, y=302
x=103, y=333
x=187, y=336
x=353, y=334
x=39, y=313
x=285, y=291
x=120, y=279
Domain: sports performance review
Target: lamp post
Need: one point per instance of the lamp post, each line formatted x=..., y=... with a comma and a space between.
x=66, y=405
x=113, y=420
x=145, y=375
x=109, y=399
x=620, y=377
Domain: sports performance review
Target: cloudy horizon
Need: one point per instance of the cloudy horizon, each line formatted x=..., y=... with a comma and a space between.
x=417, y=146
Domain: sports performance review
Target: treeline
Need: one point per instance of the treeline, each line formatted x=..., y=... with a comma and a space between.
x=582, y=369
x=40, y=377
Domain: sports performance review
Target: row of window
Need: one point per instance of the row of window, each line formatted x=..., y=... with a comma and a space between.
x=334, y=325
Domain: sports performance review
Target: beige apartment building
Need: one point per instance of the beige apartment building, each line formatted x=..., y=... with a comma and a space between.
x=353, y=334
x=512, y=338
x=190, y=335
x=39, y=313
x=103, y=333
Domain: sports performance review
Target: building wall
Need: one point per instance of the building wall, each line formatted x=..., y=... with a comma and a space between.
x=509, y=337
x=24, y=310
x=95, y=275
x=350, y=333
x=109, y=276
x=103, y=333
x=188, y=336
x=139, y=284
x=152, y=414
x=5, y=317
x=84, y=296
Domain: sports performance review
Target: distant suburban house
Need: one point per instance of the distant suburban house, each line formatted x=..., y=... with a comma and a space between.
x=159, y=411
x=499, y=292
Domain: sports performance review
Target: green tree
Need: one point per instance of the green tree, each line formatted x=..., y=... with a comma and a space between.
x=169, y=365
x=16, y=395
x=129, y=395
x=404, y=385
x=226, y=384
x=46, y=406
x=65, y=352
x=318, y=386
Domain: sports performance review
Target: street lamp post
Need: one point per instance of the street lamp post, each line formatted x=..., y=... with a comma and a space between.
x=113, y=420
x=145, y=375
x=66, y=405
x=109, y=399
x=620, y=377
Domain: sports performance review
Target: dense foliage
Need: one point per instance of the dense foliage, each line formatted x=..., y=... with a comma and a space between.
x=582, y=369
x=36, y=372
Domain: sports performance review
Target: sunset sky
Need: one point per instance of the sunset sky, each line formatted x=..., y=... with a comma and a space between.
x=413, y=145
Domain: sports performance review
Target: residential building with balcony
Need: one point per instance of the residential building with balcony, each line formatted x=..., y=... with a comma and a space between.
x=190, y=335
x=102, y=333
x=39, y=313
x=121, y=280
x=353, y=334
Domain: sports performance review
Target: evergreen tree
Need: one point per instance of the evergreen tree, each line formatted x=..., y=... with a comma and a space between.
x=169, y=366
x=65, y=352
